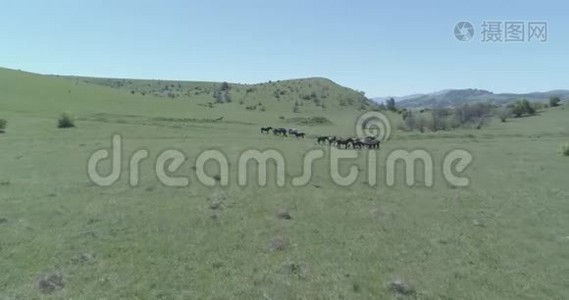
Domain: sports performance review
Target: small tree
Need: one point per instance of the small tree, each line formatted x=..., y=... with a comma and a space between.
x=224, y=86
x=420, y=123
x=565, y=149
x=295, y=109
x=440, y=115
x=390, y=104
x=528, y=108
x=218, y=97
x=227, y=97
x=504, y=114
x=3, y=124
x=410, y=120
x=522, y=108
x=65, y=121
x=554, y=101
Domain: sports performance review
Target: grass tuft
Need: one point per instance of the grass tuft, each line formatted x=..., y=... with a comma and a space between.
x=65, y=121
x=565, y=149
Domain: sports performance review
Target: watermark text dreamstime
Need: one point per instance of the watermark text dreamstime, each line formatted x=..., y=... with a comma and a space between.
x=418, y=161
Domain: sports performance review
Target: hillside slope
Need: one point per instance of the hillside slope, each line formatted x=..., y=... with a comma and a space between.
x=308, y=92
x=278, y=103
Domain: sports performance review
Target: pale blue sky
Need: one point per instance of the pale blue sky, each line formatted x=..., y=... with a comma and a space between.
x=381, y=47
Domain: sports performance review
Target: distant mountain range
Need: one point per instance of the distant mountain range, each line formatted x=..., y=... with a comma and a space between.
x=461, y=96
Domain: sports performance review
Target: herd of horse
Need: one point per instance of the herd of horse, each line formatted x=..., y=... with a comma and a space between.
x=369, y=142
x=283, y=132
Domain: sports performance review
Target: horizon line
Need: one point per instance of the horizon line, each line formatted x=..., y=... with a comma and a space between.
x=288, y=79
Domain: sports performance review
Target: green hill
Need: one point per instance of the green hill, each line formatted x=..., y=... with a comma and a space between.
x=309, y=92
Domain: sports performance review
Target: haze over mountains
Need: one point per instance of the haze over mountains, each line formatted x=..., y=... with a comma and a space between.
x=453, y=97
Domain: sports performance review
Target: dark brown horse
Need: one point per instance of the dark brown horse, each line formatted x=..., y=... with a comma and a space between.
x=266, y=129
x=299, y=134
x=370, y=143
x=280, y=131
x=323, y=139
x=343, y=142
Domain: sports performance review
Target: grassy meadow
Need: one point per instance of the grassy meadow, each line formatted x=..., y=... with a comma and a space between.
x=506, y=236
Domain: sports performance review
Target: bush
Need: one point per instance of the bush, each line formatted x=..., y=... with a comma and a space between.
x=390, y=104
x=554, y=101
x=3, y=124
x=523, y=107
x=504, y=114
x=565, y=149
x=225, y=86
x=65, y=121
x=311, y=121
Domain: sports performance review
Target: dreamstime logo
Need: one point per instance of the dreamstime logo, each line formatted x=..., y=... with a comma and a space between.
x=373, y=124
x=372, y=128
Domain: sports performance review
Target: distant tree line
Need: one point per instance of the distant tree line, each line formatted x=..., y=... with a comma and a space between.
x=475, y=115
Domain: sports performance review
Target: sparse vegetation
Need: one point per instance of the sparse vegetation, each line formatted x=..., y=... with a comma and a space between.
x=65, y=121
x=523, y=108
x=554, y=101
x=565, y=149
x=504, y=114
x=390, y=104
x=296, y=108
x=311, y=121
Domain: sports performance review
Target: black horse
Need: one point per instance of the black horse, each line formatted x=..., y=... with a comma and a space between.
x=266, y=129
x=323, y=139
x=332, y=140
x=370, y=143
x=343, y=142
x=299, y=134
x=373, y=144
x=280, y=131
x=357, y=144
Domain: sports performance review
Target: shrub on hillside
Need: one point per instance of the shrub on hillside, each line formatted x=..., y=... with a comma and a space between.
x=522, y=108
x=65, y=121
x=295, y=109
x=312, y=121
x=554, y=101
x=504, y=114
x=224, y=86
x=3, y=124
x=565, y=149
x=390, y=104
